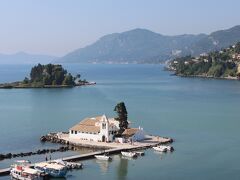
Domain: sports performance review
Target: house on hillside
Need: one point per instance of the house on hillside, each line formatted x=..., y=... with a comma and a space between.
x=236, y=56
x=103, y=129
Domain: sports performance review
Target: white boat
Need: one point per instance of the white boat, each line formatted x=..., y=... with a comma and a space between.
x=52, y=168
x=129, y=154
x=69, y=165
x=169, y=148
x=140, y=153
x=103, y=157
x=160, y=148
x=21, y=170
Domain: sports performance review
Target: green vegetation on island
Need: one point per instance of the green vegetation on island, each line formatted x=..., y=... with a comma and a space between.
x=47, y=76
x=217, y=64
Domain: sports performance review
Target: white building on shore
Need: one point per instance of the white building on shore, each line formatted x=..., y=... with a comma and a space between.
x=102, y=129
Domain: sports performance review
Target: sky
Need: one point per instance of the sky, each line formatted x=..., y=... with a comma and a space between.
x=56, y=27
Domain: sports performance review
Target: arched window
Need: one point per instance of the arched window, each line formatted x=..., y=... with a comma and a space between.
x=103, y=125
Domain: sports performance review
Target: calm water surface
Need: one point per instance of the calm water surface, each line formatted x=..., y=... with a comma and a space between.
x=201, y=115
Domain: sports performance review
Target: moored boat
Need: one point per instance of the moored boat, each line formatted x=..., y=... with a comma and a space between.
x=129, y=154
x=160, y=148
x=69, y=165
x=169, y=148
x=21, y=170
x=140, y=153
x=103, y=157
x=52, y=168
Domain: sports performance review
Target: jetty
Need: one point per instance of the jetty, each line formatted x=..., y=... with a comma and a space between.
x=116, y=148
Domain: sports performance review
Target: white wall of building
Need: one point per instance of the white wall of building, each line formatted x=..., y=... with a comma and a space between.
x=108, y=128
x=85, y=136
x=139, y=135
x=120, y=140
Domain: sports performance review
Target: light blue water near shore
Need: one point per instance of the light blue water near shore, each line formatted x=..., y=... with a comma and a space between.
x=202, y=115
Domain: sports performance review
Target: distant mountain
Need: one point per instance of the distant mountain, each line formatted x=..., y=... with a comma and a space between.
x=217, y=40
x=25, y=58
x=144, y=46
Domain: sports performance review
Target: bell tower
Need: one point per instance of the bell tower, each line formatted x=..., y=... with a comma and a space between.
x=104, y=128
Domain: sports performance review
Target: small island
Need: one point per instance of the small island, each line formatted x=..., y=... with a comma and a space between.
x=107, y=135
x=48, y=76
x=223, y=64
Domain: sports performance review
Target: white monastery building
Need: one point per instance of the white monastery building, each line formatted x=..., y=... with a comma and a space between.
x=102, y=129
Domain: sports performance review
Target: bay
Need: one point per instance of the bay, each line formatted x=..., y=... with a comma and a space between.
x=201, y=115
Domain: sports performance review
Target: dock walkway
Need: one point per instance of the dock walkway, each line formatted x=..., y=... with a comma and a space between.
x=115, y=150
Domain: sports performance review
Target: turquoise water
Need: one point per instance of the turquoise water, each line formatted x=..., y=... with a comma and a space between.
x=202, y=115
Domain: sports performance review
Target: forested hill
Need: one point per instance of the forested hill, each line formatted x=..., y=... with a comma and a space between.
x=217, y=64
x=144, y=46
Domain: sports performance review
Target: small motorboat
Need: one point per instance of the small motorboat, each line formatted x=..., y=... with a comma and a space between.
x=53, y=169
x=160, y=148
x=169, y=148
x=103, y=157
x=140, y=153
x=129, y=154
x=22, y=170
x=69, y=165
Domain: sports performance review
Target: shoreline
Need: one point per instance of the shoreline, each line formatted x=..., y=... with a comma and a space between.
x=207, y=77
x=63, y=138
x=16, y=85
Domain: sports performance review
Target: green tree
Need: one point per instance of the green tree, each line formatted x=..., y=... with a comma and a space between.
x=59, y=76
x=68, y=80
x=78, y=76
x=50, y=74
x=121, y=111
x=26, y=80
x=47, y=80
x=36, y=73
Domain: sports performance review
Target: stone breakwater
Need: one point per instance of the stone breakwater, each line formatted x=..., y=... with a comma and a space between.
x=38, y=152
x=54, y=138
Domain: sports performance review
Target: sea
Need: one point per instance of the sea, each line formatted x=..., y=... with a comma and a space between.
x=201, y=115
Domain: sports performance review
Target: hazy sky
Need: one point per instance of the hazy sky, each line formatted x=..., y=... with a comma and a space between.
x=56, y=27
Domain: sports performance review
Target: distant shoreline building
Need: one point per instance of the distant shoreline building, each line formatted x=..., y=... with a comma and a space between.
x=102, y=129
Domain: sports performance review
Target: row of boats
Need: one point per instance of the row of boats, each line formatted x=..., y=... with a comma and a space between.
x=124, y=153
x=24, y=170
x=160, y=148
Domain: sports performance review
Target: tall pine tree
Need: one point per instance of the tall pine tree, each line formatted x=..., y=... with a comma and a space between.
x=121, y=111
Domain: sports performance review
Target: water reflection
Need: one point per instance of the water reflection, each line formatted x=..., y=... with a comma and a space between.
x=104, y=165
x=122, y=168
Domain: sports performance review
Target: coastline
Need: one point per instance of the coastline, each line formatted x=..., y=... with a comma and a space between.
x=18, y=85
x=207, y=77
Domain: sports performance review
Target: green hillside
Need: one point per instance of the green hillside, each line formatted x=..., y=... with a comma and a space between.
x=218, y=64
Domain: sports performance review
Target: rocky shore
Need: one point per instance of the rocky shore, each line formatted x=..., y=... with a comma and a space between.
x=208, y=77
x=53, y=138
